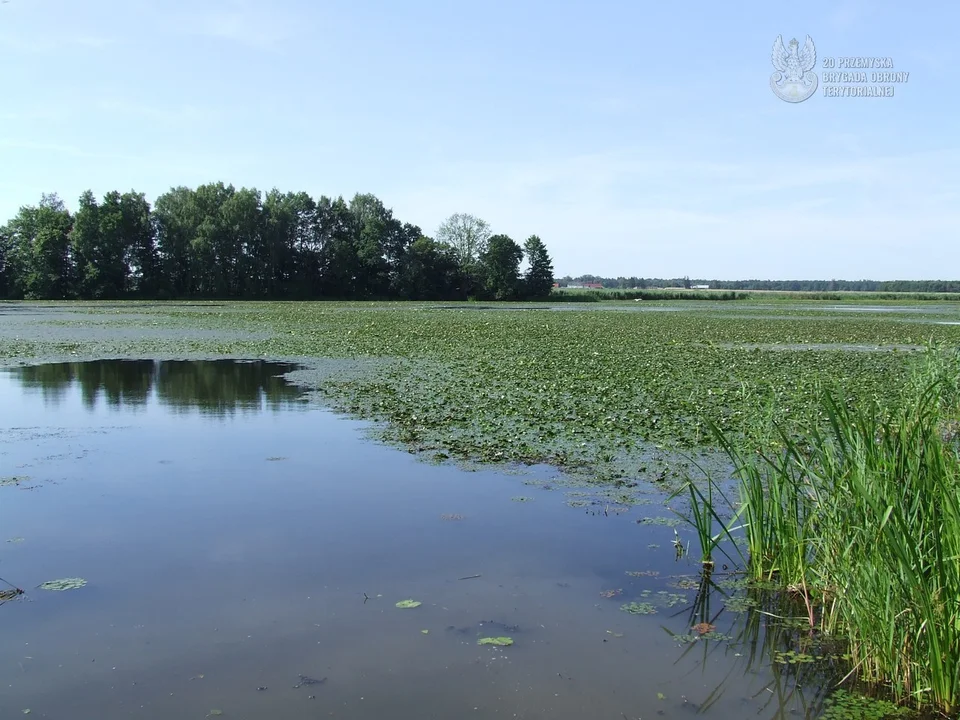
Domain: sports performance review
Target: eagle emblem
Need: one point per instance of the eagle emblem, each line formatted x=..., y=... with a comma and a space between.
x=794, y=80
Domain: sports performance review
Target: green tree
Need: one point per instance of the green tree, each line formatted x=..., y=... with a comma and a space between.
x=467, y=235
x=538, y=279
x=38, y=250
x=340, y=266
x=140, y=241
x=499, y=268
x=430, y=271
x=99, y=245
x=177, y=219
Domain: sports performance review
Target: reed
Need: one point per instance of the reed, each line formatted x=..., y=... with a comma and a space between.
x=861, y=518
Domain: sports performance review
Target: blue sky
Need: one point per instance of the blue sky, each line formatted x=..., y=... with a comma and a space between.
x=635, y=138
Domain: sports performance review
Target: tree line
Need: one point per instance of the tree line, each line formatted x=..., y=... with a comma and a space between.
x=217, y=241
x=891, y=286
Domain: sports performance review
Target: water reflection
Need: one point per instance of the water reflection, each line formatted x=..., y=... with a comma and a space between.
x=216, y=387
x=226, y=560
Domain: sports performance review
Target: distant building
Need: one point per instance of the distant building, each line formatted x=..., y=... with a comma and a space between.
x=700, y=287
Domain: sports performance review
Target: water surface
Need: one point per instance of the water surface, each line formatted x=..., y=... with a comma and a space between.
x=235, y=537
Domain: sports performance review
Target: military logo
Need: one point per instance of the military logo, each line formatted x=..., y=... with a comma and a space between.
x=794, y=81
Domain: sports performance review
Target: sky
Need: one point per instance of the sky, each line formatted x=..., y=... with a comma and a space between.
x=635, y=138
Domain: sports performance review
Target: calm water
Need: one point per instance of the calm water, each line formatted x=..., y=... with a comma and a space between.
x=229, y=531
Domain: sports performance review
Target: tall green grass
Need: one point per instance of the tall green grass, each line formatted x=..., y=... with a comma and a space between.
x=861, y=518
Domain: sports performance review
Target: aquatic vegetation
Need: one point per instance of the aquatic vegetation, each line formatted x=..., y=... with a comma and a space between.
x=522, y=499
x=451, y=516
x=739, y=604
x=13, y=480
x=664, y=521
x=475, y=385
x=860, y=521
x=635, y=608
x=409, y=604
x=611, y=593
x=498, y=641
x=669, y=599
x=844, y=705
x=63, y=584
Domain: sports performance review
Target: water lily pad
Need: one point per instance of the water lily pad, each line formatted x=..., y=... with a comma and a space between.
x=522, y=498
x=404, y=604
x=64, y=584
x=16, y=540
x=498, y=641
x=13, y=480
x=636, y=608
x=425, y=632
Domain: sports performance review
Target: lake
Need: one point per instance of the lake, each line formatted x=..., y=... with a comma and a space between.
x=244, y=550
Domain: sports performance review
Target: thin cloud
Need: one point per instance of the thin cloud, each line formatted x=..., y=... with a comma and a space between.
x=261, y=26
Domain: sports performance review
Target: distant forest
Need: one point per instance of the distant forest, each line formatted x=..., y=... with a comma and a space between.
x=889, y=286
x=220, y=242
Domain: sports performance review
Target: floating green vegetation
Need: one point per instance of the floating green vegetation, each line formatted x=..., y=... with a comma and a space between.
x=407, y=604
x=643, y=573
x=635, y=608
x=611, y=593
x=63, y=584
x=498, y=641
x=451, y=516
x=16, y=540
x=686, y=584
x=665, y=521
x=522, y=499
x=13, y=480
x=670, y=599
x=695, y=637
x=844, y=705
x=474, y=385
x=792, y=657
x=739, y=604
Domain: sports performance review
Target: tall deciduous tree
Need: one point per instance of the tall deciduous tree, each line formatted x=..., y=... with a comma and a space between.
x=499, y=269
x=467, y=235
x=177, y=218
x=38, y=241
x=538, y=279
x=430, y=271
x=100, y=245
x=139, y=232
